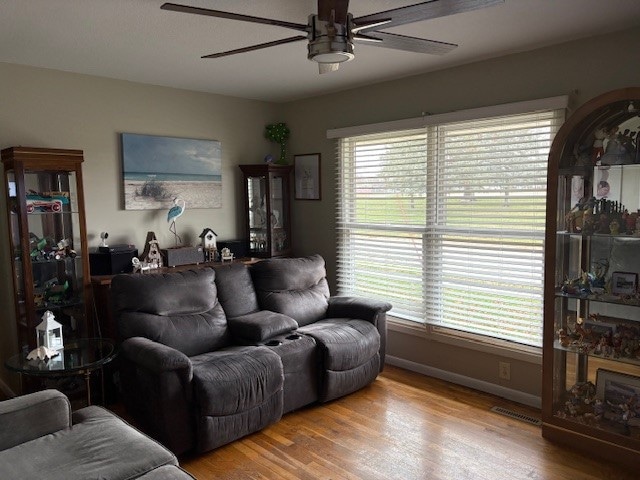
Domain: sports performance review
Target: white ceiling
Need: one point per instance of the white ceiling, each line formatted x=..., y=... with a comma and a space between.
x=135, y=40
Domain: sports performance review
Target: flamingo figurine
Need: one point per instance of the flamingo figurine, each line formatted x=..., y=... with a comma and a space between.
x=174, y=213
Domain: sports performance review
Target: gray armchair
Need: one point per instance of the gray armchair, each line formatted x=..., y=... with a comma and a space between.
x=33, y=416
x=41, y=438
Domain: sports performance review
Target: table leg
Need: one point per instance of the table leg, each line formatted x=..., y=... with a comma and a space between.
x=87, y=379
x=102, y=384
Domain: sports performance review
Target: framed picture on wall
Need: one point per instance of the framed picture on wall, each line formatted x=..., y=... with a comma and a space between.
x=307, y=176
x=158, y=169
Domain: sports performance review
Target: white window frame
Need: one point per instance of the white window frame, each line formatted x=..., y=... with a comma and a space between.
x=555, y=103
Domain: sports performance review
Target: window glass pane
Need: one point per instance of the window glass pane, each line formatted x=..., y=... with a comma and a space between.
x=447, y=222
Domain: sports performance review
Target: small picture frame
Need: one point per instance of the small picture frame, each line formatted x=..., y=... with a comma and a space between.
x=616, y=390
x=624, y=283
x=600, y=328
x=307, y=176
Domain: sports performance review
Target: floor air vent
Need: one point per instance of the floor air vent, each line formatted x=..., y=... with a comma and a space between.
x=518, y=416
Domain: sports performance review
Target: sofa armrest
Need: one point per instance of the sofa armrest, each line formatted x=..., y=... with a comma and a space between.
x=32, y=416
x=156, y=357
x=357, y=307
x=157, y=390
x=373, y=311
x=259, y=326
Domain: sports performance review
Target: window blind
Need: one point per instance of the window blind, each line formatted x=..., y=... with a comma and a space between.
x=447, y=222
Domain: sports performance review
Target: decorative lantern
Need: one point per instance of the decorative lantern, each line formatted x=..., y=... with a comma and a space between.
x=49, y=332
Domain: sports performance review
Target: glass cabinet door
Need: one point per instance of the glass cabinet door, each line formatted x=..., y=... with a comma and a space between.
x=257, y=191
x=267, y=209
x=279, y=217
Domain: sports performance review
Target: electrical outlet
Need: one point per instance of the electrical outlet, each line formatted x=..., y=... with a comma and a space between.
x=504, y=370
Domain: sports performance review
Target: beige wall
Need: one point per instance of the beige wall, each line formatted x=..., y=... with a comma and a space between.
x=583, y=69
x=54, y=109
x=46, y=108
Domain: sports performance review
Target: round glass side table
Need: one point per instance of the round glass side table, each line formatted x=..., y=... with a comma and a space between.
x=79, y=357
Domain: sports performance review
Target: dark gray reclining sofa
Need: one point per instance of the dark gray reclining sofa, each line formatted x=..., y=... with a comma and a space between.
x=213, y=354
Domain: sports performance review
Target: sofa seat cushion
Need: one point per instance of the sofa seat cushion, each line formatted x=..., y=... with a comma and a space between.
x=345, y=343
x=99, y=445
x=235, y=379
x=260, y=326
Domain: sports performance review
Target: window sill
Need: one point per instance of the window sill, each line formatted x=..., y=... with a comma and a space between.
x=465, y=340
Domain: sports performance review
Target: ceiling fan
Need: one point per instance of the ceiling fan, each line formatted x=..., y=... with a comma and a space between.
x=333, y=30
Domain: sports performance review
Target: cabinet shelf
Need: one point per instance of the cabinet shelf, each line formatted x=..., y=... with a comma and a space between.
x=58, y=306
x=67, y=212
x=599, y=235
x=609, y=430
x=591, y=348
x=584, y=351
x=602, y=298
x=54, y=261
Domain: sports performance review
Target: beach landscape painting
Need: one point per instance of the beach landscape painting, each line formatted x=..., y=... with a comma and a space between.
x=157, y=169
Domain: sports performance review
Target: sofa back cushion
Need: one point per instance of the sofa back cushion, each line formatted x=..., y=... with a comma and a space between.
x=180, y=310
x=296, y=287
x=235, y=290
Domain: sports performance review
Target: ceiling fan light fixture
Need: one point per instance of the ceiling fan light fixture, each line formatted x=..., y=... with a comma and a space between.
x=329, y=42
x=331, y=57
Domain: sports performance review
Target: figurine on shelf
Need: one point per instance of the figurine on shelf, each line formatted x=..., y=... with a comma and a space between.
x=615, y=152
x=564, y=339
x=138, y=266
x=598, y=409
x=614, y=227
x=151, y=254
x=209, y=246
x=64, y=249
x=42, y=354
x=598, y=145
x=226, y=255
x=172, y=216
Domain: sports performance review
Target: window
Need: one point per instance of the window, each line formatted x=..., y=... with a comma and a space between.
x=447, y=222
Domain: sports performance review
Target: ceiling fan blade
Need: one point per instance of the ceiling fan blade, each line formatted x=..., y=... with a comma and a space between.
x=340, y=7
x=424, y=11
x=403, y=42
x=174, y=7
x=328, y=67
x=256, y=47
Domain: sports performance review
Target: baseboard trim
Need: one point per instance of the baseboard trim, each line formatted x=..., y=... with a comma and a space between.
x=492, y=388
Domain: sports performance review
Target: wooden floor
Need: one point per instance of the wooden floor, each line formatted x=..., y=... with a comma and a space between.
x=404, y=426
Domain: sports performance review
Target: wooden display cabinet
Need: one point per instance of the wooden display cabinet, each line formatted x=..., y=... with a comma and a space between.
x=48, y=241
x=591, y=354
x=267, y=209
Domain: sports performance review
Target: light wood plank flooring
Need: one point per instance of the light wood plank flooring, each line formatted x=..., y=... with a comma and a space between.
x=404, y=426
